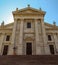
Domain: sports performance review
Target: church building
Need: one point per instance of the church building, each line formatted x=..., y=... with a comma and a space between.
x=28, y=34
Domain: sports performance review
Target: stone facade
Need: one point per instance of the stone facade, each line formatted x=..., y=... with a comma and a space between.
x=28, y=34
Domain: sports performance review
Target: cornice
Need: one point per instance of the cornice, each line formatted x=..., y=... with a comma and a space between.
x=51, y=26
x=5, y=29
x=9, y=24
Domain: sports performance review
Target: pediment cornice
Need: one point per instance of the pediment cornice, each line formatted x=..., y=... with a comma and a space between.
x=29, y=10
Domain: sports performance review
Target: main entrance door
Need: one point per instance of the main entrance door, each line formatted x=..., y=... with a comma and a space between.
x=28, y=48
x=51, y=49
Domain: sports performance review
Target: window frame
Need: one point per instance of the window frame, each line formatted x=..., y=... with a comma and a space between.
x=28, y=24
x=49, y=38
x=8, y=38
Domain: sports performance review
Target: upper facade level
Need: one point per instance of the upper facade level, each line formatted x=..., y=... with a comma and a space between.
x=28, y=12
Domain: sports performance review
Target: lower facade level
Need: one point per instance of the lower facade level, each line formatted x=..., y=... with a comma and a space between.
x=29, y=48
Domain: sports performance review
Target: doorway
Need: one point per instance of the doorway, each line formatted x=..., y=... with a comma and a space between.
x=28, y=48
x=5, y=50
x=51, y=49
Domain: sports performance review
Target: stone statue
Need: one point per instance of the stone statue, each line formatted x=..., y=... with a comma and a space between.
x=2, y=24
x=54, y=22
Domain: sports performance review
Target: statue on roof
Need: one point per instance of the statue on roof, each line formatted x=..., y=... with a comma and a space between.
x=2, y=24
x=54, y=22
x=40, y=9
x=28, y=5
x=16, y=9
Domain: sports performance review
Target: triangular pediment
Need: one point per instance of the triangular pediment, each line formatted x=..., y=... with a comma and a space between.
x=29, y=10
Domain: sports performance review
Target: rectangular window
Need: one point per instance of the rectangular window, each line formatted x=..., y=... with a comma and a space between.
x=7, y=37
x=49, y=38
x=28, y=25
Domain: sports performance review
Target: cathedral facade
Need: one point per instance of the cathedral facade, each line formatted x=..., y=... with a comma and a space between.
x=28, y=34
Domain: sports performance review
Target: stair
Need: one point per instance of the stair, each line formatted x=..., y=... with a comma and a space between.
x=29, y=60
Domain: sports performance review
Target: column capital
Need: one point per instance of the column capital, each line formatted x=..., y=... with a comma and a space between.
x=38, y=19
x=42, y=20
x=55, y=33
x=21, y=19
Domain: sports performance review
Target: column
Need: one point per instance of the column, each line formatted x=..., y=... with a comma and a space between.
x=1, y=43
x=38, y=48
x=56, y=43
x=20, y=45
x=12, y=50
x=45, y=45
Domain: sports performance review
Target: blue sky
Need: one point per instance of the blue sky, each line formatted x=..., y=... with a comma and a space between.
x=50, y=6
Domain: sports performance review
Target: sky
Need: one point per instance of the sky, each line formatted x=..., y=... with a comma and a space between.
x=49, y=6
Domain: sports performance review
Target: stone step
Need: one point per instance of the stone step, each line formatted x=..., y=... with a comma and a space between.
x=29, y=60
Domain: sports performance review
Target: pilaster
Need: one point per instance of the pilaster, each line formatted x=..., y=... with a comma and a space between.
x=20, y=45
x=56, y=43
x=38, y=48
x=1, y=43
x=45, y=45
x=12, y=50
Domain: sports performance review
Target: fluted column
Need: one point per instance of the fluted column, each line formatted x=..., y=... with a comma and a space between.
x=45, y=45
x=38, y=48
x=20, y=45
